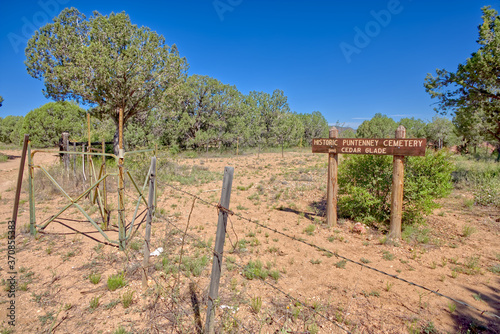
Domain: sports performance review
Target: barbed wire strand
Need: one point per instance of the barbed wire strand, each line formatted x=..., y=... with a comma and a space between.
x=186, y=313
x=274, y=287
x=436, y=292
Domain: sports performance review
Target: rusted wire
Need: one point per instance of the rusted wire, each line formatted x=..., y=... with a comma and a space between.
x=343, y=257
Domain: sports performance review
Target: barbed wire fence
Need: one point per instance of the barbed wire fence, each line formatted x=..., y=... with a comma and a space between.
x=336, y=254
x=230, y=214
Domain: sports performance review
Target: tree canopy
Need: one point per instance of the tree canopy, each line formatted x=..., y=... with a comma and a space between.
x=105, y=62
x=1, y=100
x=46, y=124
x=380, y=126
x=10, y=129
x=315, y=126
x=472, y=93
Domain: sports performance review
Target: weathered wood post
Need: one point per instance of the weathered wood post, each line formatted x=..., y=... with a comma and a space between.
x=332, y=187
x=89, y=156
x=218, y=250
x=397, y=190
x=65, y=148
x=104, y=191
x=149, y=218
x=12, y=224
x=73, y=158
x=31, y=185
x=121, y=183
x=83, y=163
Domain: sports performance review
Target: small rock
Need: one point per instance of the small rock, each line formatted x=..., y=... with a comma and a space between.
x=359, y=228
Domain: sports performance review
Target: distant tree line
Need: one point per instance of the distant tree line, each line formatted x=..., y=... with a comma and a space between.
x=440, y=132
x=209, y=116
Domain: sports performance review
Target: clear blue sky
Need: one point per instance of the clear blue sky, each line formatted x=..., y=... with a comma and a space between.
x=312, y=50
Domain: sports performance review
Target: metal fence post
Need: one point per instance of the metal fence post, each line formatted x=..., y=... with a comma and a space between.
x=213, y=293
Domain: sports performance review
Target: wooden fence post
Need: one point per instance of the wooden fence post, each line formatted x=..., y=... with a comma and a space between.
x=397, y=190
x=65, y=142
x=332, y=187
x=12, y=224
x=213, y=293
x=149, y=218
x=104, y=191
x=83, y=163
x=74, y=159
x=122, y=236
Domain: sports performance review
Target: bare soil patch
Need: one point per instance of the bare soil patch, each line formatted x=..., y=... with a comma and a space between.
x=456, y=254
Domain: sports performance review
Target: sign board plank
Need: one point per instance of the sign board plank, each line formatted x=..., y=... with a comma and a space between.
x=377, y=146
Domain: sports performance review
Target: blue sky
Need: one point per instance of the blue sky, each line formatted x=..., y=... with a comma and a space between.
x=347, y=59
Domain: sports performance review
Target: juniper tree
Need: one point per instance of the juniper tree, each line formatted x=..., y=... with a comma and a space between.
x=473, y=91
x=105, y=62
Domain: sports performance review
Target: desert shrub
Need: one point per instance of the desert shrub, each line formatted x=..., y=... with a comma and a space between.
x=116, y=281
x=482, y=178
x=365, y=186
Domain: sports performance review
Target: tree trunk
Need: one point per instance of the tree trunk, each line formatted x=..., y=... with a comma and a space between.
x=116, y=148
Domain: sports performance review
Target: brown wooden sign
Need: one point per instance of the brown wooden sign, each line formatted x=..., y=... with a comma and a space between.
x=378, y=146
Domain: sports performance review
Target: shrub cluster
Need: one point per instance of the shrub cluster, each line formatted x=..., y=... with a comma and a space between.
x=482, y=178
x=365, y=186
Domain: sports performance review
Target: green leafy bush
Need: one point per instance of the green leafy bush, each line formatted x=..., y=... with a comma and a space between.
x=365, y=186
x=481, y=177
x=116, y=281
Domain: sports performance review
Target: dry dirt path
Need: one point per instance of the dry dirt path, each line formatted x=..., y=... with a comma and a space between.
x=282, y=194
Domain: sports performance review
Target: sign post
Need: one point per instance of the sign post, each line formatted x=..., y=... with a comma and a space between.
x=332, y=188
x=397, y=190
x=399, y=147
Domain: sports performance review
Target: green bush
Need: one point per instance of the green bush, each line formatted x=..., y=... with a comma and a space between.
x=365, y=186
x=116, y=281
x=481, y=177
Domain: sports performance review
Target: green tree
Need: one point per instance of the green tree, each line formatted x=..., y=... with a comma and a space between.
x=46, y=124
x=254, y=127
x=10, y=130
x=270, y=107
x=474, y=89
x=348, y=133
x=380, y=126
x=105, y=62
x=441, y=132
x=1, y=100
x=208, y=113
x=469, y=127
x=289, y=129
x=415, y=128
x=315, y=126
x=144, y=130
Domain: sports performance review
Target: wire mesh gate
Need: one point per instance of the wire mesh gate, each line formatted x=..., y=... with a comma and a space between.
x=96, y=192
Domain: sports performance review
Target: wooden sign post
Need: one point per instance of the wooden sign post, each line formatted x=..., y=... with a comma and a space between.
x=399, y=147
x=332, y=187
